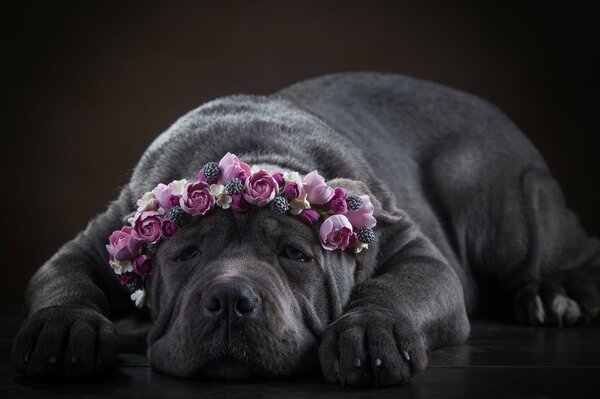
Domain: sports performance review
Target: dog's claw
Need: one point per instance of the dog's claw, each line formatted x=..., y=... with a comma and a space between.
x=357, y=363
x=406, y=356
x=377, y=362
x=26, y=357
x=336, y=366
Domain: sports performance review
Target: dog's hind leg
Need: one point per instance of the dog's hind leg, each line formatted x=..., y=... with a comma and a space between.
x=560, y=281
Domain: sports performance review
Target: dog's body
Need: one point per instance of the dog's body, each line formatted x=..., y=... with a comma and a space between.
x=468, y=216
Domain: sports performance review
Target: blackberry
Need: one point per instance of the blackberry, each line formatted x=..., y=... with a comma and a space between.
x=279, y=204
x=177, y=216
x=133, y=286
x=150, y=249
x=365, y=235
x=234, y=186
x=354, y=202
x=211, y=171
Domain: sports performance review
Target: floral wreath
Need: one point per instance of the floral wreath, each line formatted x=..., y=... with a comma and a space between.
x=347, y=220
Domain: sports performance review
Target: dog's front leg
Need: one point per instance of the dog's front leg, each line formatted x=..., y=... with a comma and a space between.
x=67, y=333
x=413, y=304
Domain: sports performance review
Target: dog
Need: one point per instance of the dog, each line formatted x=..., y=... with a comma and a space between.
x=469, y=220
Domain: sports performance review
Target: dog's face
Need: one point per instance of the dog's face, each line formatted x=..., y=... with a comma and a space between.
x=239, y=295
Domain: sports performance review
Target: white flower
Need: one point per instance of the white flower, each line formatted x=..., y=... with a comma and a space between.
x=177, y=186
x=293, y=177
x=147, y=202
x=139, y=297
x=219, y=192
x=254, y=169
x=121, y=266
x=299, y=204
x=359, y=246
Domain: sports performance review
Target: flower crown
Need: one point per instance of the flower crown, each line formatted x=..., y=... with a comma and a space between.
x=347, y=220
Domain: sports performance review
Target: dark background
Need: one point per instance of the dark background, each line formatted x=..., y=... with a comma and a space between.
x=88, y=85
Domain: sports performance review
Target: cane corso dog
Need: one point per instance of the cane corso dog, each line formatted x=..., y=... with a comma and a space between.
x=468, y=219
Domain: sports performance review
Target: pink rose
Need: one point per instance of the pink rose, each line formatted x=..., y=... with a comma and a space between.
x=197, y=199
x=317, y=191
x=147, y=226
x=309, y=217
x=362, y=217
x=238, y=203
x=142, y=265
x=336, y=233
x=165, y=197
x=261, y=188
x=122, y=246
x=169, y=228
x=338, y=202
x=127, y=278
x=292, y=190
x=230, y=166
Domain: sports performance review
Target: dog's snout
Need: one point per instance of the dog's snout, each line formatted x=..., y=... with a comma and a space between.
x=230, y=300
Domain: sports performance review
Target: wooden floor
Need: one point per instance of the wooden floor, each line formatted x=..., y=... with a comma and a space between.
x=498, y=361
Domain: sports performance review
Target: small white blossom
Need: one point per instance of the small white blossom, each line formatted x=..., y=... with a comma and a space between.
x=177, y=186
x=254, y=169
x=139, y=297
x=121, y=267
x=217, y=189
x=221, y=195
x=147, y=202
x=359, y=246
x=293, y=177
x=299, y=204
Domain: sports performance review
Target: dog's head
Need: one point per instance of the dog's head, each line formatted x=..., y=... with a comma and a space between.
x=240, y=295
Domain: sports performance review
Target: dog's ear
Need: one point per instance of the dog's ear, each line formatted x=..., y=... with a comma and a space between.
x=385, y=209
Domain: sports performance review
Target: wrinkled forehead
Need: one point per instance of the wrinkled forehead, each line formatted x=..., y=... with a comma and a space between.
x=258, y=227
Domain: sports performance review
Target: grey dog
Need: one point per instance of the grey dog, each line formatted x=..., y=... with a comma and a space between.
x=469, y=220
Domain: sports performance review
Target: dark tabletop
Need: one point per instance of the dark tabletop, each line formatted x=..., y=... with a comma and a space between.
x=499, y=360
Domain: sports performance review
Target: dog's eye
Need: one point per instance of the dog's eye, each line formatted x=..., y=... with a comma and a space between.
x=294, y=254
x=187, y=254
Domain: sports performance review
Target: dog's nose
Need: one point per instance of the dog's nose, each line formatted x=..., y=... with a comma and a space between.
x=232, y=300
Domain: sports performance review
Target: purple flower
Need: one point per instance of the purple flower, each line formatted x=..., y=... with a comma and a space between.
x=127, y=278
x=122, y=246
x=197, y=199
x=317, y=191
x=261, y=188
x=147, y=226
x=309, y=217
x=338, y=203
x=142, y=265
x=230, y=166
x=278, y=176
x=336, y=233
x=292, y=190
x=238, y=203
x=169, y=228
x=362, y=217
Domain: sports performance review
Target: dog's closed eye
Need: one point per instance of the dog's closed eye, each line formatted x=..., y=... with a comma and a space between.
x=187, y=254
x=293, y=253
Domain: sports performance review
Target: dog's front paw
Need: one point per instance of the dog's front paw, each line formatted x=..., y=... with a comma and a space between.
x=371, y=349
x=64, y=343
